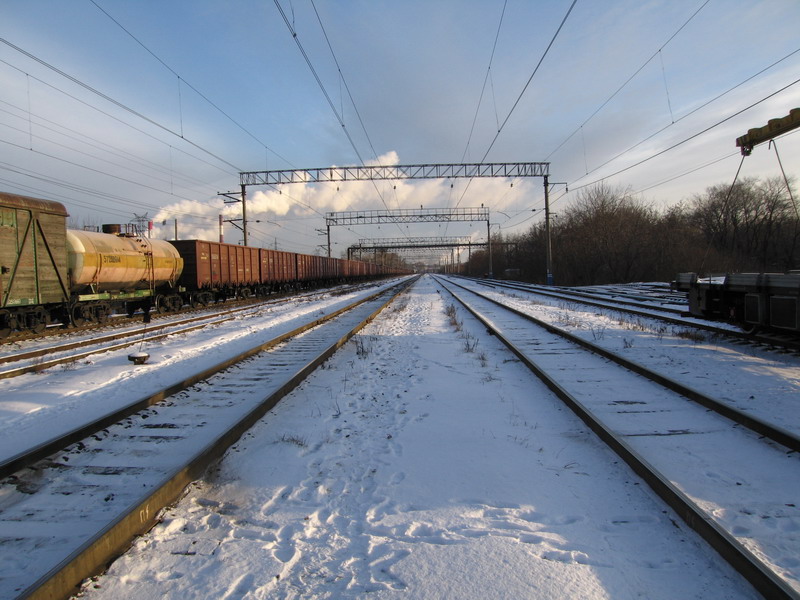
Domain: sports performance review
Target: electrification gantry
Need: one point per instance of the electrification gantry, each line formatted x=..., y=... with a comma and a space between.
x=511, y=170
x=406, y=215
x=414, y=245
x=391, y=172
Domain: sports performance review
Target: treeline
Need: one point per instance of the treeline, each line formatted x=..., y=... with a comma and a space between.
x=608, y=236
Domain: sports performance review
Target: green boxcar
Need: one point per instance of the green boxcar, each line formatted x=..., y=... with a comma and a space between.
x=33, y=254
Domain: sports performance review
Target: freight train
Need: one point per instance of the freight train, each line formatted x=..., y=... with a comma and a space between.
x=51, y=274
x=753, y=301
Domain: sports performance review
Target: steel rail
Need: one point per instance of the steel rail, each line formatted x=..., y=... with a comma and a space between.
x=93, y=556
x=733, y=333
x=73, y=357
x=558, y=292
x=789, y=341
x=54, y=329
x=775, y=339
x=567, y=293
x=763, y=579
x=768, y=430
x=240, y=304
x=29, y=456
x=30, y=354
x=210, y=319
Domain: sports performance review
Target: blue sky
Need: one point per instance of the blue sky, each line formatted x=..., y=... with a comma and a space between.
x=209, y=88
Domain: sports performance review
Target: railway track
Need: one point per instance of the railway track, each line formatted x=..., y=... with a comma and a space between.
x=74, y=503
x=116, y=320
x=718, y=471
x=65, y=352
x=661, y=305
x=120, y=320
x=664, y=314
x=647, y=293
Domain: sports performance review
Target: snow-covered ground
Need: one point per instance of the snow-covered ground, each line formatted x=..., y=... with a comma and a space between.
x=765, y=384
x=37, y=406
x=418, y=464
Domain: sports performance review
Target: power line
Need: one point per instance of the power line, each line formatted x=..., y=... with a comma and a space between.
x=714, y=99
x=92, y=142
x=525, y=87
x=117, y=119
x=704, y=166
x=93, y=170
x=689, y=172
x=116, y=103
x=352, y=101
x=67, y=185
x=663, y=181
x=522, y=93
x=341, y=74
x=691, y=137
x=86, y=154
x=318, y=80
x=77, y=188
x=700, y=107
x=485, y=79
x=181, y=79
x=635, y=73
x=72, y=163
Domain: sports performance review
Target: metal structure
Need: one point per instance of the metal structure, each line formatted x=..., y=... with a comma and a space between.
x=390, y=172
x=408, y=215
x=418, y=242
x=231, y=199
x=421, y=247
x=772, y=129
x=412, y=244
x=402, y=172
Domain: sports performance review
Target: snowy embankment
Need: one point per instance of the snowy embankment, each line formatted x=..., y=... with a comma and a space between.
x=765, y=384
x=38, y=406
x=420, y=464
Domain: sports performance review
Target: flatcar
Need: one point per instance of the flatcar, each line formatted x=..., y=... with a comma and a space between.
x=51, y=274
x=753, y=301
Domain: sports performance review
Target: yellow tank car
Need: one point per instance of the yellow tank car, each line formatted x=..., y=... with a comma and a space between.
x=101, y=262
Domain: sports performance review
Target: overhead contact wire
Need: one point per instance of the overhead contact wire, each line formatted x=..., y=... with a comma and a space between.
x=714, y=99
x=521, y=94
x=352, y=101
x=627, y=81
x=318, y=80
x=186, y=83
x=691, y=137
x=116, y=103
x=535, y=70
x=485, y=80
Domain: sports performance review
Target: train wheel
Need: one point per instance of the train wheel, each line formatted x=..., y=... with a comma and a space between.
x=37, y=320
x=7, y=323
x=161, y=304
x=750, y=328
x=102, y=312
x=77, y=315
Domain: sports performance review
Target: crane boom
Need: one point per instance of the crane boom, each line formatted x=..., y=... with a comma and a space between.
x=771, y=130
